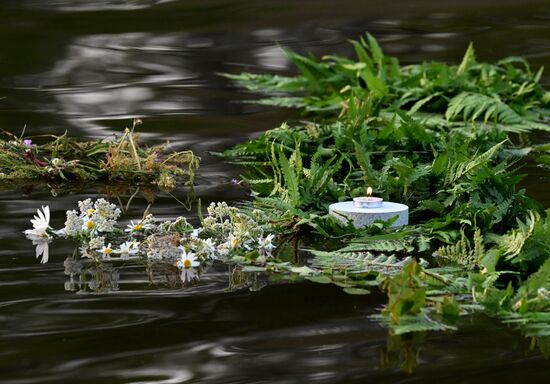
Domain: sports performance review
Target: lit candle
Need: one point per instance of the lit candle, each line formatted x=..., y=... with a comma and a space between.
x=368, y=201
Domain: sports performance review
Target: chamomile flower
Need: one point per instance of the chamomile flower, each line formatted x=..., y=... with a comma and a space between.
x=187, y=259
x=40, y=223
x=88, y=224
x=128, y=248
x=106, y=251
x=85, y=252
x=134, y=227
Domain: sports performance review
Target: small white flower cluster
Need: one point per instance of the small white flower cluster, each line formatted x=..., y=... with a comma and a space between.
x=237, y=231
x=93, y=218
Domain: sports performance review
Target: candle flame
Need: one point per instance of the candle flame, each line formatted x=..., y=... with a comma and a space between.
x=369, y=191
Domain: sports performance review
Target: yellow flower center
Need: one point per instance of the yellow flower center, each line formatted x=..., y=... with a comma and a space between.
x=187, y=263
x=107, y=251
x=90, y=212
x=235, y=242
x=90, y=224
x=137, y=227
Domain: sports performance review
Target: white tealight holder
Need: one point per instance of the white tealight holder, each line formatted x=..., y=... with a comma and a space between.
x=364, y=211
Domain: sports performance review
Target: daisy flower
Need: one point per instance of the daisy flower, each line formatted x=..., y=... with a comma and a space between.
x=187, y=260
x=128, y=248
x=106, y=251
x=134, y=227
x=89, y=224
x=40, y=223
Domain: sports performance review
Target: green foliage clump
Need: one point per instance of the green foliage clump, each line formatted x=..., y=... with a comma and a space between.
x=445, y=139
x=506, y=94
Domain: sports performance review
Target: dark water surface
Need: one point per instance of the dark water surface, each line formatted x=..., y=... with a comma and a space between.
x=90, y=66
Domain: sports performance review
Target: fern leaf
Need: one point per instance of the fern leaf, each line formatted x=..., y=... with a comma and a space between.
x=420, y=103
x=513, y=242
x=257, y=181
x=291, y=183
x=380, y=246
x=465, y=168
x=468, y=59
x=462, y=252
x=284, y=102
x=375, y=49
x=471, y=105
x=359, y=262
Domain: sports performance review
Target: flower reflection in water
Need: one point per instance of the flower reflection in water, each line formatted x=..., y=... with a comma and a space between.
x=150, y=251
x=189, y=275
x=87, y=276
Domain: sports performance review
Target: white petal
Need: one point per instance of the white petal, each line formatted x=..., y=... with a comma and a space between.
x=47, y=213
x=42, y=248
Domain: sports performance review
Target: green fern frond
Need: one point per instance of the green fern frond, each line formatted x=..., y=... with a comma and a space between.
x=513, y=242
x=277, y=206
x=462, y=252
x=267, y=83
x=380, y=246
x=359, y=262
x=291, y=185
x=281, y=101
x=257, y=181
x=468, y=59
x=461, y=169
x=473, y=105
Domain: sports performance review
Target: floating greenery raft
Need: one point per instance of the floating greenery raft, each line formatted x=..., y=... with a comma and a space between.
x=447, y=140
x=66, y=159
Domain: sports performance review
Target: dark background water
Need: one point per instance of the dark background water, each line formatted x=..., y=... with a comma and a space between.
x=89, y=67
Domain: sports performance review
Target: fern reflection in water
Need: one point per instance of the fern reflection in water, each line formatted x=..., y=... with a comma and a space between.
x=444, y=139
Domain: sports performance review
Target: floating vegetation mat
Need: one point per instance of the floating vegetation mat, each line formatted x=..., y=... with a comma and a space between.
x=66, y=159
x=447, y=140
